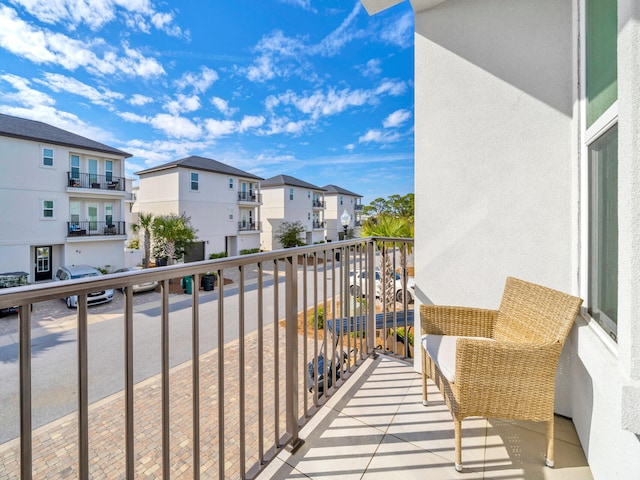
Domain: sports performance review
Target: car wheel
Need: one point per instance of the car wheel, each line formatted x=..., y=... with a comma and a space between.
x=354, y=290
x=69, y=305
x=399, y=297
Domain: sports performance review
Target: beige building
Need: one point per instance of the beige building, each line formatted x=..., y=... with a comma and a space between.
x=339, y=200
x=288, y=199
x=64, y=200
x=222, y=201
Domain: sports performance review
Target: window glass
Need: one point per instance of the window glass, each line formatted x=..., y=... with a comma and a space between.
x=231, y=183
x=108, y=170
x=93, y=170
x=603, y=231
x=291, y=194
x=108, y=214
x=74, y=212
x=601, y=57
x=47, y=208
x=230, y=213
x=75, y=166
x=47, y=157
x=194, y=181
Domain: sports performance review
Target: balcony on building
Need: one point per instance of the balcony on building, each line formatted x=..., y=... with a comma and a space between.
x=95, y=182
x=95, y=229
x=318, y=224
x=249, y=197
x=318, y=203
x=249, y=226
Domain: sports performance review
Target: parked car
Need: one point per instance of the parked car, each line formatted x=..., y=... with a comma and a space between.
x=358, y=280
x=12, y=279
x=140, y=287
x=81, y=271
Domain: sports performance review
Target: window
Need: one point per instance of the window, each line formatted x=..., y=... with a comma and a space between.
x=291, y=194
x=308, y=216
x=230, y=213
x=108, y=214
x=603, y=231
x=47, y=157
x=74, y=213
x=601, y=57
x=108, y=170
x=75, y=167
x=194, y=181
x=92, y=216
x=47, y=209
x=93, y=172
x=308, y=194
x=341, y=199
x=231, y=183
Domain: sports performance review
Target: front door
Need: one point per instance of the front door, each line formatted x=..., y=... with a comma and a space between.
x=43, y=264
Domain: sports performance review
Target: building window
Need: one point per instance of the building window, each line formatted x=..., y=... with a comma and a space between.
x=230, y=183
x=308, y=194
x=194, y=181
x=291, y=194
x=75, y=167
x=47, y=209
x=74, y=215
x=47, y=157
x=603, y=231
x=341, y=199
x=108, y=170
x=601, y=57
x=108, y=214
x=230, y=213
x=93, y=172
x=308, y=216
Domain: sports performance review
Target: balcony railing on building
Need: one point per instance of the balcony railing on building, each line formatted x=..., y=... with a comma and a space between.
x=249, y=197
x=91, y=180
x=318, y=224
x=358, y=207
x=249, y=226
x=92, y=228
x=318, y=203
x=247, y=378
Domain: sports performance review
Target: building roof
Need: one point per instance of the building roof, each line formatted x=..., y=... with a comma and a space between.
x=282, y=180
x=336, y=190
x=204, y=164
x=25, y=129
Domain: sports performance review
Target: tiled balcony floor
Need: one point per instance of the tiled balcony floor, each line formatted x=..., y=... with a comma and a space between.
x=376, y=427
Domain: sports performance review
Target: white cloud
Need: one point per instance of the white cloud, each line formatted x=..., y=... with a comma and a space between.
x=250, y=121
x=101, y=97
x=376, y=136
x=391, y=87
x=396, y=118
x=223, y=106
x=400, y=32
x=262, y=69
x=350, y=147
x=333, y=43
x=199, y=81
x=175, y=126
x=25, y=95
x=321, y=104
x=139, y=100
x=371, y=68
x=133, y=117
x=304, y=4
x=182, y=103
x=46, y=47
x=220, y=128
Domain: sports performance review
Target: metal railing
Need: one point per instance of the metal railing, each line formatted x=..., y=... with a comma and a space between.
x=91, y=180
x=318, y=224
x=252, y=197
x=318, y=204
x=94, y=228
x=249, y=226
x=244, y=395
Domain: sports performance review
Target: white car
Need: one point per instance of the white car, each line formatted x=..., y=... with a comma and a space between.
x=358, y=281
x=81, y=271
x=141, y=287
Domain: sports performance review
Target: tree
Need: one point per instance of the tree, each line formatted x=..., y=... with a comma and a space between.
x=289, y=234
x=386, y=225
x=145, y=221
x=173, y=235
x=396, y=205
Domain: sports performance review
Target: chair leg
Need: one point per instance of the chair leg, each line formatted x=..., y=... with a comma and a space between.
x=550, y=436
x=458, y=436
x=424, y=379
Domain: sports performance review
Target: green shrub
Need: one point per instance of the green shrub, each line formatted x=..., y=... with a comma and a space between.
x=249, y=251
x=401, y=336
x=213, y=256
x=134, y=244
x=320, y=318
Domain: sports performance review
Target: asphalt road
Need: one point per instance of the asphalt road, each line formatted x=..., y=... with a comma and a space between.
x=54, y=346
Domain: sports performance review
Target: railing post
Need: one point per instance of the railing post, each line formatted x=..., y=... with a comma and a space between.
x=291, y=356
x=26, y=440
x=371, y=298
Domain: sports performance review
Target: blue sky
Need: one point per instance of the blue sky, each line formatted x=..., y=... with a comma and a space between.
x=314, y=89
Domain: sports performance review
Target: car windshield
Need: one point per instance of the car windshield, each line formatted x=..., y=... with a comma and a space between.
x=83, y=275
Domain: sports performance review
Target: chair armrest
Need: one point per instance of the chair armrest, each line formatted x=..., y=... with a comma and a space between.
x=460, y=321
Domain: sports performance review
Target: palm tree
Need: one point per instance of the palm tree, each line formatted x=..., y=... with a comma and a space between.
x=145, y=221
x=176, y=232
x=385, y=225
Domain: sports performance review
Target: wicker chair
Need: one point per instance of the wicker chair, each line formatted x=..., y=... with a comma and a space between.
x=509, y=372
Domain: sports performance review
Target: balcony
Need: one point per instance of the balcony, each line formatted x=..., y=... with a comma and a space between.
x=317, y=224
x=95, y=229
x=215, y=384
x=249, y=226
x=93, y=181
x=358, y=207
x=318, y=203
x=249, y=197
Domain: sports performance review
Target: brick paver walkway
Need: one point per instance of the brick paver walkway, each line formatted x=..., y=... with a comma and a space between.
x=55, y=446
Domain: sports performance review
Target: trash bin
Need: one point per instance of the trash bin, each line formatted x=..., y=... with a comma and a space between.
x=208, y=282
x=187, y=285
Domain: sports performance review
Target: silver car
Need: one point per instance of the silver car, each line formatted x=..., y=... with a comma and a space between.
x=141, y=287
x=70, y=272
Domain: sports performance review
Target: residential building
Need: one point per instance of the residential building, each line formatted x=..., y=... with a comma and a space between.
x=527, y=164
x=339, y=200
x=222, y=201
x=288, y=199
x=63, y=199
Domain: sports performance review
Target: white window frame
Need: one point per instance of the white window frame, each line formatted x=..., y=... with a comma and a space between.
x=230, y=214
x=196, y=181
x=44, y=157
x=290, y=193
x=44, y=208
x=73, y=157
x=108, y=172
x=230, y=183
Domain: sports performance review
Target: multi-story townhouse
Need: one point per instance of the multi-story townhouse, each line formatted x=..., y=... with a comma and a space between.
x=288, y=199
x=339, y=200
x=222, y=201
x=63, y=199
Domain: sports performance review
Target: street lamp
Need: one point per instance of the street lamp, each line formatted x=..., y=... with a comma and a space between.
x=345, y=219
